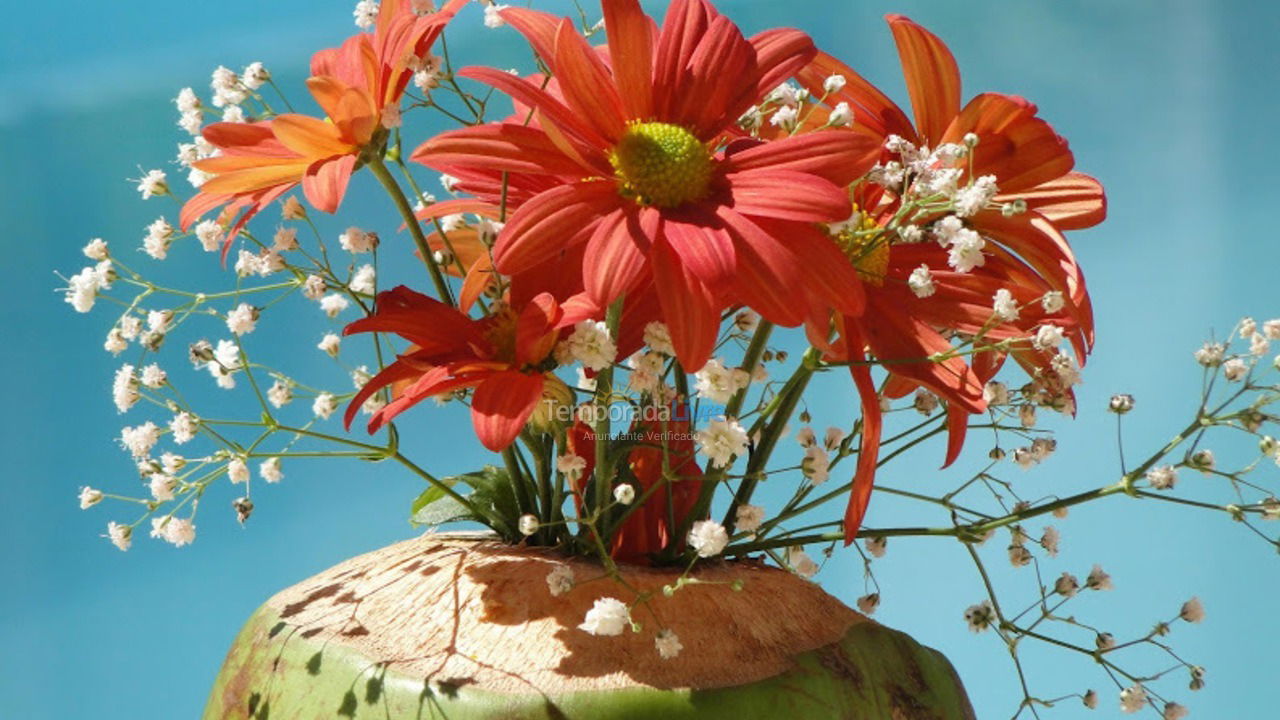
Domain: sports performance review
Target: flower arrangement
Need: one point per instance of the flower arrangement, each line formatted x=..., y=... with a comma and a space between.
x=638, y=233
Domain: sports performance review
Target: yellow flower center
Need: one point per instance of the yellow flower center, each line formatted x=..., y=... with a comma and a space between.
x=866, y=247
x=662, y=164
x=502, y=333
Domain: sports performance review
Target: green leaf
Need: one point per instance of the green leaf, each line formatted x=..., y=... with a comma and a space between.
x=491, y=498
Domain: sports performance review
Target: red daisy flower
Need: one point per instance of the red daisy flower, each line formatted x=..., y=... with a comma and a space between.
x=633, y=170
x=908, y=323
x=505, y=356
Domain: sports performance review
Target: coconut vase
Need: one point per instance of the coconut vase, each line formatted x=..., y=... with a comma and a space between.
x=466, y=628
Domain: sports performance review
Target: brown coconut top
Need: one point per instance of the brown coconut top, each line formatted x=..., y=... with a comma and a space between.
x=451, y=606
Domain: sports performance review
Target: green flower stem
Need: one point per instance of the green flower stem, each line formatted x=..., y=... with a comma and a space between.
x=379, y=169
x=604, y=392
x=788, y=399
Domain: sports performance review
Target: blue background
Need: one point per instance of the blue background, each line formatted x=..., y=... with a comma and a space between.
x=1172, y=104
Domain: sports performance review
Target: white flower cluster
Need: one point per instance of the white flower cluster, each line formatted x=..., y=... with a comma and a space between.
x=589, y=344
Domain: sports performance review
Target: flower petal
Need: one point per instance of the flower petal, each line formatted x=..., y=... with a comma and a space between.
x=502, y=405
x=586, y=84
x=504, y=147
x=788, y=195
x=864, y=477
x=631, y=53
x=688, y=308
x=325, y=182
x=933, y=80
x=1020, y=149
x=1072, y=202
x=838, y=156
x=615, y=262
x=551, y=221
x=310, y=136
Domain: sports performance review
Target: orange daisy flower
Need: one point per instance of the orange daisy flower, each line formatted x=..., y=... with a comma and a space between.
x=357, y=85
x=634, y=169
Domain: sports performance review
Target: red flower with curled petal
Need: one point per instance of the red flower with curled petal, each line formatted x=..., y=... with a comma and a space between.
x=506, y=357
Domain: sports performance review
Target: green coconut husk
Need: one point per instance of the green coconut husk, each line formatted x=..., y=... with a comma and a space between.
x=466, y=629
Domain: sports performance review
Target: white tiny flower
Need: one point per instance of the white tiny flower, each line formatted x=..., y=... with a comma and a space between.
x=867, y=604
x=995, y=393
x=280, y=393
x=1004, y=306
x=1163, y=477
x=1235, y=369
x=816, y=465
x=806, y=437
x=152, y=184
x=330, y=344
x=1027, y=416
x=1090, y=699
x=1066, y=585
x=364, y=280
x=708, y=538
x=607, y=616
x=357, y=241
x=625, y=494
x=1192, y=610
x=658, y=338
x=161, y=486
x=589, y=344
x=176, y=531
x=314, y=287
x=1019, y=556
x=747, y=518
x=921, y=282
x=668, y=644
x=124, y=389
x=800, y=563
x=528, y=524
x=366, y=13
x=333, y=304
x=153, y=376
x=270, y=470
x=89, y=497
x=560, y=580
x=233, y=114
x=493, y=15
x=209, y=233
x=1271, y=329
x=1098, y=579
x=187, y=100
x=786, y=94
x=876, y=545
x=974, y=198
x=925, y=402
x=115, y=342
x=841, y=115
x=980, y=616
x=243, y=319
x=718, y=383
x=159, y=237
x=96, y=250
x=785, y=118
x=832, y=438
x=324, y=405
x=1048, y=337
x=1133, y=699
x=722, y=440
x=572, y=466
x=1174, y=711
x=1053, y=301
x=255, y=75
x=1050, y=540
x=237, y=470
x=1211, y=354
x=120, y=535
x=834, y=83
x=1203, y=460
x=183, y=426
